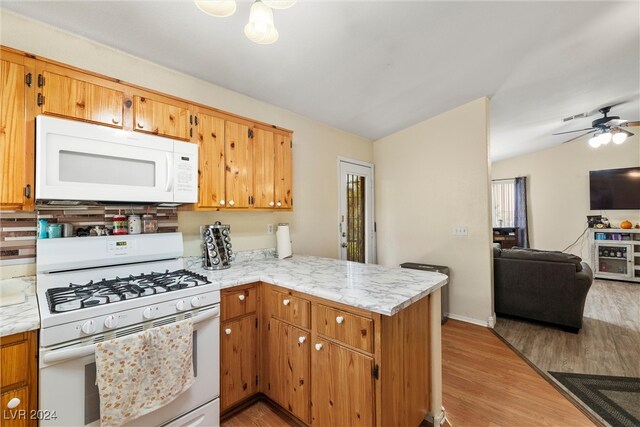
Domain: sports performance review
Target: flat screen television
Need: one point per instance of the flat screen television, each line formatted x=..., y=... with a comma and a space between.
x=615, y=189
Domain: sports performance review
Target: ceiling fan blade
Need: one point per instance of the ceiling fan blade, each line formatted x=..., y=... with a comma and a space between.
x=580, y=136
x=571, y=131
x=615, y=122
x=628, y=124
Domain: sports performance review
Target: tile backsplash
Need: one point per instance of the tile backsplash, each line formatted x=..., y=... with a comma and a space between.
x=18, y=229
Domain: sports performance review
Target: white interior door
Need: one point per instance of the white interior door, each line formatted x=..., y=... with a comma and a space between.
x=355, y=214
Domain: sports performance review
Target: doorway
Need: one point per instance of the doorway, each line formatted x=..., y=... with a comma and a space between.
x=357, y=241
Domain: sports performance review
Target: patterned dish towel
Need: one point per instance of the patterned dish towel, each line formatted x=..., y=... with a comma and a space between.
x=140, y=373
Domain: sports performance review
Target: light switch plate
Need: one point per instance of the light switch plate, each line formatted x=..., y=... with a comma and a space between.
x=461, y=230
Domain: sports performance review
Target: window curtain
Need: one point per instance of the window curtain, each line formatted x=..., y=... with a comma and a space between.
x=520, y=211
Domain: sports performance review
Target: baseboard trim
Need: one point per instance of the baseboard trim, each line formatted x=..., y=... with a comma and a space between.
x=468, y=320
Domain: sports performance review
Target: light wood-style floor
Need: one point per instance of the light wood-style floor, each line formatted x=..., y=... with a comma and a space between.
x=485, y=384
x=608, y=344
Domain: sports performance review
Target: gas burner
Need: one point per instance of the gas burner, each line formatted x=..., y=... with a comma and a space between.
x=75, y=297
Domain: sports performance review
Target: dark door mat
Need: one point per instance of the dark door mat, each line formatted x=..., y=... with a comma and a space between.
x=615, y=399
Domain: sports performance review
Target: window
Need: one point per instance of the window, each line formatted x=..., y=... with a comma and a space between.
x=503, y=203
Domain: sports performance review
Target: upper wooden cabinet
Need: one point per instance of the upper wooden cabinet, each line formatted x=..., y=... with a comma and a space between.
x=283, y=171
x=238, y=164
x=75, y=95
x=160, y=117
x=17, y=131
x=263, y=168
x=211, y=170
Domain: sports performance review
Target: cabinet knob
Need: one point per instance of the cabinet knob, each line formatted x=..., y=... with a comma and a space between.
x=13, y=403
x=227, y=331
x=241, y=297
x=279, y=204
x=285, y=302
x=271, y=203
x=115, y=120
x=141, y=125
x=339, y=320
x=222, y=202
x=231, y=203
x=301, y=340
x=319, y=346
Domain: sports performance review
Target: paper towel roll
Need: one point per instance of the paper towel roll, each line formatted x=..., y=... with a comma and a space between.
x=283, y=241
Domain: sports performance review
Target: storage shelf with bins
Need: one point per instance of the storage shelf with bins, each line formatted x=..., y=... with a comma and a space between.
x=615, y=253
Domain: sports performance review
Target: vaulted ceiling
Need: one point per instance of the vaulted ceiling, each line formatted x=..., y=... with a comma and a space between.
x=375, y=67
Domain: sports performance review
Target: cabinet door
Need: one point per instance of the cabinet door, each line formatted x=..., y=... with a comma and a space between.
x=238, y=361
x=289, y=359
x=239, y=158
x=211, y=173
x=78, y=99
x=341, y=386
x=283, y=171
x=160, y=118
x=15, y=417
x=14, y=145
x=263, y=168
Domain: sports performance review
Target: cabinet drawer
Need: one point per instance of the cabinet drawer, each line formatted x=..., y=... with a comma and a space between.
x=351, y=329
x=14, y=359
x=11, y=416
x=238, y=303
x=292, y=309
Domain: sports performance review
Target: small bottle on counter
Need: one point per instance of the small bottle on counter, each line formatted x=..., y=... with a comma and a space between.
x=149, y=224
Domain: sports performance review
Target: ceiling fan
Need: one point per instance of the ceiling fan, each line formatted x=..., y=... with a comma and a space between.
x=605, y=130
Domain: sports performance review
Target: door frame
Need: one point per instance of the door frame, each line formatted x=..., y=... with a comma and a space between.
x=370, y=248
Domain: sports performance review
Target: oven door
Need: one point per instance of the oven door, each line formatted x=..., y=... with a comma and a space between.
x=69, y=395
x=83, y=161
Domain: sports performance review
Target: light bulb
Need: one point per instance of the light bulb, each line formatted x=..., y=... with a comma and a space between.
x=219, y=8
x=594, y=141
x=279, y=4
x=260, y=28
x=605, y=138
x=619, y=137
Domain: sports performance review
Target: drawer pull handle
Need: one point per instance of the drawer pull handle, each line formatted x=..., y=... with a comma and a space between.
x=286, y=302
x=339, y=320
x=318, y=346
x=227, y=331
x=13, y=403
x=241, y=297
x=301, y=340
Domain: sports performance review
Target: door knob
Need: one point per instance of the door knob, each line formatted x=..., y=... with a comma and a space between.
x=279, y=204
x=319, y=346
x=13, y=403
x=301, y=340
x=227, y=331
x=241, y=297
x=344, y=244
x=339, y=320
x=271, y=203
x=222, y=202
x=285, y=302
x=231, y=203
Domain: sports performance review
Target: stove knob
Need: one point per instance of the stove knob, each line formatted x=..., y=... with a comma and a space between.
x=89, y=327
x=110, y=322
x=225, y=232
x=148, y=313
x=195, y=302
x=180, y=305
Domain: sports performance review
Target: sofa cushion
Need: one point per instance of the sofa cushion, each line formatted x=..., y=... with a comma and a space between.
x=541, y=255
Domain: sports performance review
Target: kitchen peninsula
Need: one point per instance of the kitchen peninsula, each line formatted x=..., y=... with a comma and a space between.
x=331, y=342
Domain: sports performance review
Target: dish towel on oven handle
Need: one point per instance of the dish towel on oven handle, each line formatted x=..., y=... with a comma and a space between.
x=139, y=373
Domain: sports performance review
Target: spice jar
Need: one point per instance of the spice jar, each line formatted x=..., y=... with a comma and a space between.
x=135, y=224
x=120, y=225
x=149, y=224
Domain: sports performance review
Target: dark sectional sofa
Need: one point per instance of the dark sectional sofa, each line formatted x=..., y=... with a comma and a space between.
x=541, y=285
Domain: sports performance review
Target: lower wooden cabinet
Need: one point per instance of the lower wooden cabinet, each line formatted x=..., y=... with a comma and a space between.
x=287, y=369
x=341, y=386
x=238, y=360
x=18, y=376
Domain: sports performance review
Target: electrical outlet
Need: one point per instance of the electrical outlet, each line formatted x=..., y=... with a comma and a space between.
x=269, y=228
x=460, y=230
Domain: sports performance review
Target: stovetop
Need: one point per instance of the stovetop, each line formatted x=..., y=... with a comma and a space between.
x=105, y=291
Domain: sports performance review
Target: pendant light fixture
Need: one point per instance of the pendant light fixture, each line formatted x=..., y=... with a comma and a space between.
x=219, y=8
x=260, y=28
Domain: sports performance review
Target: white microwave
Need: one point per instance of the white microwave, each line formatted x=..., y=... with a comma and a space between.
x=87, y=162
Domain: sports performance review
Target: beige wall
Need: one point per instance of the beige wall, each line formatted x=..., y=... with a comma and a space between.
x=430, y=178
x=315, y=148
x=558, y=186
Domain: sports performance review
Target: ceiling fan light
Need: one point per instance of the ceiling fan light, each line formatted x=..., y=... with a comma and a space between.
x=218, y=8
x=260, y=28
x=594, y=141
x=279, y=4
x=619, y=137
x=605, y=138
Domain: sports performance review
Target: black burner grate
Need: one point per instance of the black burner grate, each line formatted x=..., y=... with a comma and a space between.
x=75, y=297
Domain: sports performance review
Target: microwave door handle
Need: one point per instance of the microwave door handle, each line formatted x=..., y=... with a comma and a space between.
x=78, y=352
x=169, y=186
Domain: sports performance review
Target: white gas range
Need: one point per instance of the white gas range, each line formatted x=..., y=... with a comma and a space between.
x=92, y=289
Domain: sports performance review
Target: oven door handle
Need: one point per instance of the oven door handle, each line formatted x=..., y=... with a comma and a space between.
x=78, y=352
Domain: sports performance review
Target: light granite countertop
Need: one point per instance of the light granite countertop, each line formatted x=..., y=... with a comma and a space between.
x=384, y=290
x=21, y=317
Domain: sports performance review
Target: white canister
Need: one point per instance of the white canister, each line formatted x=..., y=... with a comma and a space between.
x=135, y=224
x=283, y=241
